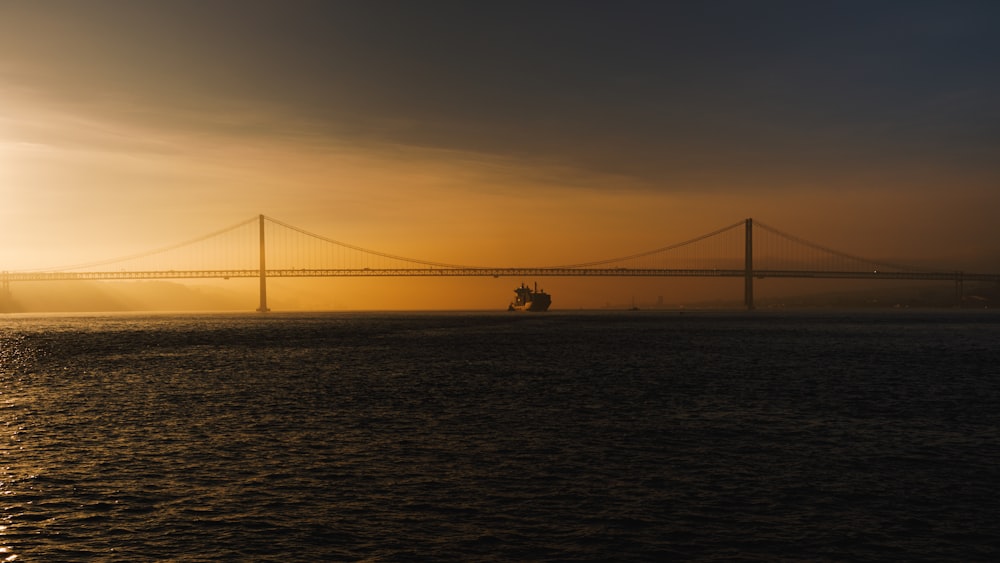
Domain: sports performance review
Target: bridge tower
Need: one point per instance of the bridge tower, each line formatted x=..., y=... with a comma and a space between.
x=263, y=271
x=5, y=297
x=748, y=267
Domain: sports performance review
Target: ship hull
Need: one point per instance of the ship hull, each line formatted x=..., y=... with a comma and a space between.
x=534, y=307
x=528, y=300
x=539, y=303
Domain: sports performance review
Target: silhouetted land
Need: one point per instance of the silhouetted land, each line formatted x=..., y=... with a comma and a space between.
x=169, y=296
x=930, y=297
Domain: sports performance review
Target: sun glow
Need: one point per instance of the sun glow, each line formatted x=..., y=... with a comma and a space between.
x=111, y=146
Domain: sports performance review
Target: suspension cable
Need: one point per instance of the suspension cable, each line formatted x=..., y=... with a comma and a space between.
x=152, y=252
x=837, y=253
x=364, y=250
x=649, y=252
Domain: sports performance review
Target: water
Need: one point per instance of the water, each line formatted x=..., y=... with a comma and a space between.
x=478, y=436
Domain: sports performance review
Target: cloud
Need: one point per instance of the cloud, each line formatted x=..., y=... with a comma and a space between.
x=668, y=95
x=599, y=128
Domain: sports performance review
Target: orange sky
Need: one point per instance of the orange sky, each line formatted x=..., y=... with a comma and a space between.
x=125, y=127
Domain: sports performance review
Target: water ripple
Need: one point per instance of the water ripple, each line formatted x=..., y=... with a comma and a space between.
x=495, y=437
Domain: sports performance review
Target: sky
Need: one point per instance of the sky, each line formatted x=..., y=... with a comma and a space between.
x=513, y=133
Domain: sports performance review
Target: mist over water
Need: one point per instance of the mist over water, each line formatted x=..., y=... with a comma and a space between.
x=479, y=436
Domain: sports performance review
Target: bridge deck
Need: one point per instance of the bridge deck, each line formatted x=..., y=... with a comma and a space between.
x=8, y=277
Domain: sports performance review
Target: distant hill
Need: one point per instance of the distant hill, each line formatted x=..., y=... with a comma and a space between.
x=69, y=297
x=975, y=296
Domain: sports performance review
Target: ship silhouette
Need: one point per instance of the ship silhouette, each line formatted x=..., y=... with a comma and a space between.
x=529, y=299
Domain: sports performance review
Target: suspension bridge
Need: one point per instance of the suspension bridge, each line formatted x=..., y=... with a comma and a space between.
x=262, y=247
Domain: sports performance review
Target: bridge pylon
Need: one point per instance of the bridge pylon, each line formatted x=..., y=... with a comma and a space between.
x=263, y=271
x=748, y=267
x=5, y=296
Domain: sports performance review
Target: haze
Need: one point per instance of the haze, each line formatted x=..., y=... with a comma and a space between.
x=515, y=133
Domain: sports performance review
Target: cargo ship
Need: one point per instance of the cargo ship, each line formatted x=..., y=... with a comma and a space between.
x=530, y=299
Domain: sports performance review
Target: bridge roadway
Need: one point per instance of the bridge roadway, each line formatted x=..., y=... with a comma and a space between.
x=957, y=276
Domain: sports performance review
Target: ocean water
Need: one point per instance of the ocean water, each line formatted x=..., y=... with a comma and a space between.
x=501, y=437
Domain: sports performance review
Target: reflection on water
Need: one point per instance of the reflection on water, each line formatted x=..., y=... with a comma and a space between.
x=496, y=437
x=10, y=443
x=5, y=551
